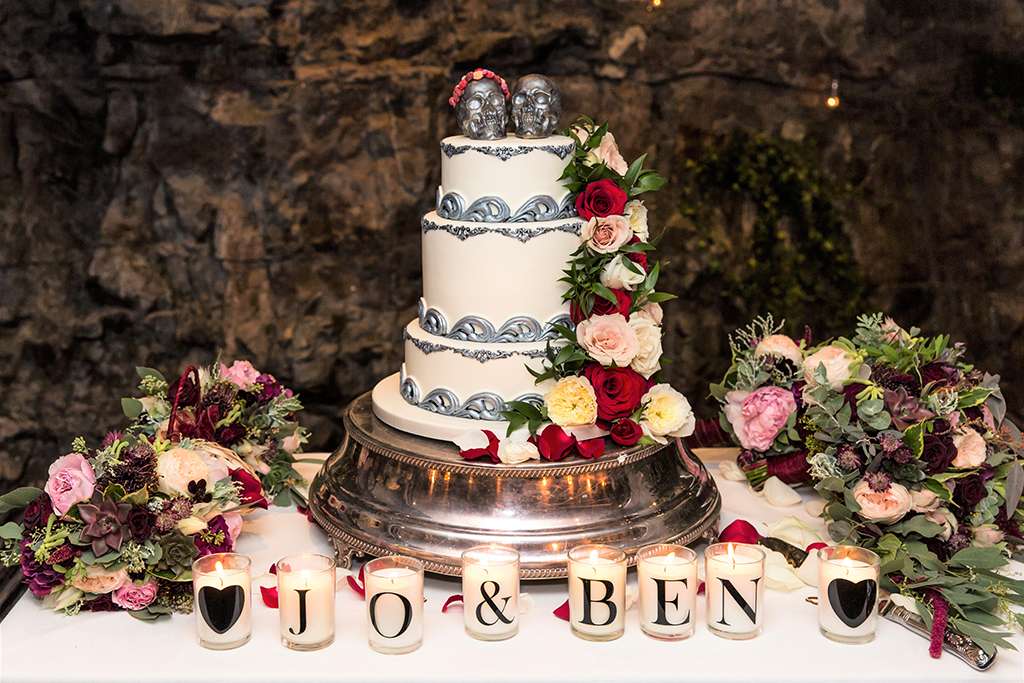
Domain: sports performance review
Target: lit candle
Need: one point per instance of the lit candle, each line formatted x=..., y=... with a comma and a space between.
x=222, y=590
x=597, y=592
x=394, y=604
x=734, y=584
x=848, y=593
x=305, y=594
x=490, y=591
x=667, y=576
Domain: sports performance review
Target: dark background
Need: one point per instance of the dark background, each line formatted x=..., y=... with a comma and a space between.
x=183, y=178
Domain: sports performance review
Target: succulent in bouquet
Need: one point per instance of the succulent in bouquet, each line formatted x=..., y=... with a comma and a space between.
x=599, y=378
x=909, y=445
x=235, y=406
x=117, y=527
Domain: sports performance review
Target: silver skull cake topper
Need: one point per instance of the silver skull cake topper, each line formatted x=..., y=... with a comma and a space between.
x=536, y=106
x=479, y=101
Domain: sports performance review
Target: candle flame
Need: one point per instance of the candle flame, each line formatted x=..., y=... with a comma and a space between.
x=593, y=555
x=672, y=556
x=219, y=567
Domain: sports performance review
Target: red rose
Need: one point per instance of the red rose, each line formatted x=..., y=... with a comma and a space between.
x=250, y=490
x=600, y=198
x=554, y=443
x=638, y=257
x=618, y=390
x=491, y=451
x=602, y=306
x=626, y=432
x=591, y=448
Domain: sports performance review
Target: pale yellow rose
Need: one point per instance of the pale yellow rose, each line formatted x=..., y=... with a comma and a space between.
x=666, y=412
x=571, y=402
x=636, y=212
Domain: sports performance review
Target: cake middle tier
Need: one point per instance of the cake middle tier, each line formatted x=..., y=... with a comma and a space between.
x=467, y=379
x=495, y=282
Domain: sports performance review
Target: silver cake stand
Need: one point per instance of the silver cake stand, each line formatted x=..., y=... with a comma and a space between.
x=386, y=492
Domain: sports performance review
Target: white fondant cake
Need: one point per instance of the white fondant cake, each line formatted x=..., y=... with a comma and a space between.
x=493, y=252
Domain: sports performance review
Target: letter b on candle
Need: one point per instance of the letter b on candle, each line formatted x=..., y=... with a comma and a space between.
x=406, y=614
x=589, y=601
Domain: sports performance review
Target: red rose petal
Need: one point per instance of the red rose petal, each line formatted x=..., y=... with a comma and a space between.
x=562, y=611
x=452, y=599
x=273, y=569
x=815, y=546
x=591, y=448
x=490, y=452
x=740, y=531
x=358, y=584
x=554, y=443
x=700, y=588
x=269, y=596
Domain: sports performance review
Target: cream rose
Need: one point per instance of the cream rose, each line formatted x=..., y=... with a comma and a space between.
x=605, y=235
x=970, y=449
x=99, y=580
x=887, y=506
x=176, y=467
x=781, y=346
x=666, y=412
x=987, y=535
x=607, y=153
x=571, y=402
x=636, y=212
x=652, y=312
x=838, y=364
x=514, y=452
x=608, y=339
x=923, y=500
x=945, y=519
x=648, y=335
x=617, y=275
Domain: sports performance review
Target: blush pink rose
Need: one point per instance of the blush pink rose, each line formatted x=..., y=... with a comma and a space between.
x=970, y=449
x=839, y=366
x=608, y=339
x=781, y=346
x=71, y=481
x=607, y=152
x=606, y=234
x=98, y=580
x=233, y=520
x=134, y=596
x=758, y=416
x=241, y=373
x=886, y=507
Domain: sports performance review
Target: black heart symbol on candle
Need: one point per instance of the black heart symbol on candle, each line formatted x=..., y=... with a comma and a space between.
x=852, y=602
x=221, y=607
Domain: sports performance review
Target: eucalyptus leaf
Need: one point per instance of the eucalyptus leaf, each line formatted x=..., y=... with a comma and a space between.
x=144, y=372
x=11, y=531
x=131, y=407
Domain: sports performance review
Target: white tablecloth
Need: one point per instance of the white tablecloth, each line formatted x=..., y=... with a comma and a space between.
x=37, y=645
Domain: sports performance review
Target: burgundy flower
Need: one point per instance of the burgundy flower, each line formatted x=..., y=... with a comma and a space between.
x=250, y=490
x=939, y=373
x=271, y=387
x=938, y=453
x=39, y=577
x=189, y=395
x=626, y=432
x=104, y=524
x=969, y=491
x=229, y=435
x=101, y=603
x=600, y=198
x=140, y=523
x=603, y=307
x=111, y=438
x=890, y=378
x=215, y=538
x=61, y=554
x=37, y=513
x=850, y=392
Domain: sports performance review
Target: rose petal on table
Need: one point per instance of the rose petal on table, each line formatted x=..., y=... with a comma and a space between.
x=739, y=531
x=793, y=531
x=818, y=545
x=273, y=569
x=700, y=588
x=269, y=596
x=779, y=574
x=814, y=507
x=562, y=611
x=452, y=599
x=730, y=471
x=779, y=494
x=358, y=584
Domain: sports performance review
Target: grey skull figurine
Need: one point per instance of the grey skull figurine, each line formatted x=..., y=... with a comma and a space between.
x=481, y=110
x=536, y=106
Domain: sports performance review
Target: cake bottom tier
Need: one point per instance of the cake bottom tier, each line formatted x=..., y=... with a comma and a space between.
x=392, y=409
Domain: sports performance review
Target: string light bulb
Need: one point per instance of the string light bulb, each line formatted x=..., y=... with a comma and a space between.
x=832, y=101
x=653, y=5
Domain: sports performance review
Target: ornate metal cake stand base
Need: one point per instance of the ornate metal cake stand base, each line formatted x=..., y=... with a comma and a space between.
x=387, y=492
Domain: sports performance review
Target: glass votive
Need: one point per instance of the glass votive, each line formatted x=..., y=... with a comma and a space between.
x=222, y=591
x=597, y=592
x=667, y=577
x=734, y=584
x=490, y=591
x=848, y=593
x=305, y=601
x=394, y=604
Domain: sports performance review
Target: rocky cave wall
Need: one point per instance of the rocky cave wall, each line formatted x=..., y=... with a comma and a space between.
x=179, y=179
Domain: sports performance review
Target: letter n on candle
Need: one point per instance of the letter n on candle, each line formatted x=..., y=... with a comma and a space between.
x=729, y=588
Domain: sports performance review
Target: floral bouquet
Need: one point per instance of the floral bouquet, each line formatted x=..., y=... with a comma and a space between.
x=601, y=377
x=235, y=406
x=910, y=448
x=117, y=527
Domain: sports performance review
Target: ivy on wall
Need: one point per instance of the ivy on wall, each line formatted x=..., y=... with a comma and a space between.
x=770, y=222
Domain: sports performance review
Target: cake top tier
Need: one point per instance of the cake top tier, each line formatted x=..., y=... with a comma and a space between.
x=508, y=180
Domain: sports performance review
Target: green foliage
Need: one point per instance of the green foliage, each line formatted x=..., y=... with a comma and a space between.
x=796, y=260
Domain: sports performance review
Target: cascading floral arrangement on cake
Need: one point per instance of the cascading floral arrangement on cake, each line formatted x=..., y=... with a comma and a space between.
x=117, y=526
x=910, y=447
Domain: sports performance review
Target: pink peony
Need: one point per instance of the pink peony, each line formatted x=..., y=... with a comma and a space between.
x=71, y=481
x=605, y=235
x=887, y=507
x=758, y=416
x=241, y=373
x=134, y=596
x=970, y=449
x=608, y=339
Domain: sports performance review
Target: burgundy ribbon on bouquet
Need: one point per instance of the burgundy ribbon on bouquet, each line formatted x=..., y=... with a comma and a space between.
x=172, y=422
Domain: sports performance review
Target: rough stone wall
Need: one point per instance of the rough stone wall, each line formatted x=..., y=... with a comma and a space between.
x=179, y=179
